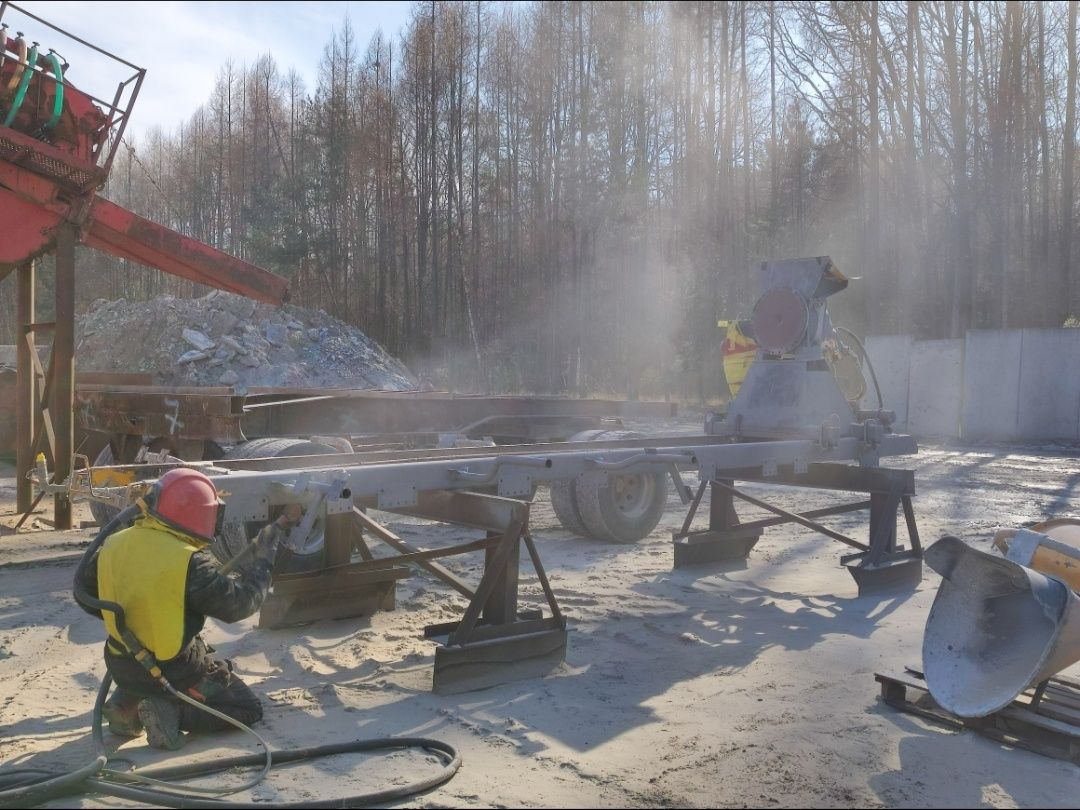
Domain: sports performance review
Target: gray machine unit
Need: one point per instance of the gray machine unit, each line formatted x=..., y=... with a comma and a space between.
x=790, y=389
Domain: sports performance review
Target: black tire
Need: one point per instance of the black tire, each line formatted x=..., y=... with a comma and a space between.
x=235, y=536
x=620, y=507
x=102, y=512
x=563, y=499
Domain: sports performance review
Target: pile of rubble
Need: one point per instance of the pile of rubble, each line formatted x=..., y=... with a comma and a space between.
x=226, y=340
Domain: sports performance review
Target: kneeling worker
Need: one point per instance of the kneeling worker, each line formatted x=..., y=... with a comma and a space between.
x=161, y=571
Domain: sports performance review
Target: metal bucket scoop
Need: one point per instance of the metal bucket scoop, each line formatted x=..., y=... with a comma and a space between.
x=996, y=628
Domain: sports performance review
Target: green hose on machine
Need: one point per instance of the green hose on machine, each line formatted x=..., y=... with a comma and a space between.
x=58, y=100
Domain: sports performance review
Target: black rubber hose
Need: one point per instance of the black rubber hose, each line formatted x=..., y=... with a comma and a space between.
x=23, y=794
x=869, y=363
x=41, y=790
x=91, y=778
x=30, y=789
x=450, y=756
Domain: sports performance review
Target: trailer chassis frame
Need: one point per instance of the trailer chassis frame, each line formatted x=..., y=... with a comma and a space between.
x=496, y=640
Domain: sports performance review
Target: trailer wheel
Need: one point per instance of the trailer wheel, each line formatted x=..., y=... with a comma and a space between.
x=563, y=499
x=235, y=535
x=620, y=507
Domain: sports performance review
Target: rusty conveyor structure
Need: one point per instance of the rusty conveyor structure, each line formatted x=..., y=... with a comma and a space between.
x=57, y=145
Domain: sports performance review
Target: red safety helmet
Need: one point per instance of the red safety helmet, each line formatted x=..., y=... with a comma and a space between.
x=187, y=500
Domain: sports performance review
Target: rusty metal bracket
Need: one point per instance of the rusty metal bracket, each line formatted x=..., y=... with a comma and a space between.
x=494, y=641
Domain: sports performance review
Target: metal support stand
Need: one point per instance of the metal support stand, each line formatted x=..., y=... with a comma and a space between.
x=341, y=590
x=62, y=371
x=886, y=565
x=725, y=540
x=882, y=565
x=495, y=642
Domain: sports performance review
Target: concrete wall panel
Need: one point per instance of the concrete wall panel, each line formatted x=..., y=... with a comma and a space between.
x=992, y=384
x=1049, y=385
x=935, y=388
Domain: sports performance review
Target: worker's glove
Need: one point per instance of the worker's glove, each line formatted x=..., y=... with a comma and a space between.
x=290, y=516
x=268, y=542
x=273, y=534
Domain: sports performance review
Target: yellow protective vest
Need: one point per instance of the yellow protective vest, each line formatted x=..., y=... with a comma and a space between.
x=144, y=569
x=739, y=353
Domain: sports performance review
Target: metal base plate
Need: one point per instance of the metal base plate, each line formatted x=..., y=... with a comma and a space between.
x=699, y=548
x=337, y=593
x=899, y=574
x=480, y=664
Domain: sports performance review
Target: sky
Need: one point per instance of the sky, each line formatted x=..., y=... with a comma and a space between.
x=183, y=44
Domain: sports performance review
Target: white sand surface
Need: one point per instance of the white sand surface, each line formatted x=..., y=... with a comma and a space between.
x=704, y=687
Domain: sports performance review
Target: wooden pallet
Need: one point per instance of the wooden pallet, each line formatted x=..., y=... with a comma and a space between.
x=1045, y=719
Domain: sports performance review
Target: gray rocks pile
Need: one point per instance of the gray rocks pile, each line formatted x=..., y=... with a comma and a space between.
x=226, y=340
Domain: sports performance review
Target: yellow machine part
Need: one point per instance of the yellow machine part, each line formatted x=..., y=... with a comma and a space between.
x=1058, y=556
x=107, y=477
x=846, y=369
x=739, y=352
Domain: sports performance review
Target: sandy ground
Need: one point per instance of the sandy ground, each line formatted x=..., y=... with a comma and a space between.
x=752, y=687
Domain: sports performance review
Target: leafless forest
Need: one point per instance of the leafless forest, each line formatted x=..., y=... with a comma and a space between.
x=565, y=196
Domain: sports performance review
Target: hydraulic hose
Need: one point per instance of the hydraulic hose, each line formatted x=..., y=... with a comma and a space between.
x=19, y=47
x=31, y=786
x=28, y=789
x=869, y=362
x=58, y=100
x=24, y=84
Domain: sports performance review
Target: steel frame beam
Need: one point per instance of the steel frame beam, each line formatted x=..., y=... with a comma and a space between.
x=26, y=384
x=388, y=481
x=495, y=641
x=218, y=414
x=45, y=394
x=62, y=371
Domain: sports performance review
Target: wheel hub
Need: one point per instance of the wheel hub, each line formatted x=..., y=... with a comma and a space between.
x=633, y=494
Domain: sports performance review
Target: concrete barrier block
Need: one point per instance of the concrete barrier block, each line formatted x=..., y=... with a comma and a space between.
x=992, y=384
x=1049, y=385
x=935, y=388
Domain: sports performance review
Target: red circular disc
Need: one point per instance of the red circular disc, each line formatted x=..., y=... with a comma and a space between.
x=779, y=320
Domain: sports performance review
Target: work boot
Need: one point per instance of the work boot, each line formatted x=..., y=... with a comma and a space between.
x=161, y=717
x=121, y=711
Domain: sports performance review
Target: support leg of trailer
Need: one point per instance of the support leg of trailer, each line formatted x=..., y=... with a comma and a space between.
x=341, y=590
x=886, y=566
x=62, y=405
x=495, y=642
x=724, y=541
